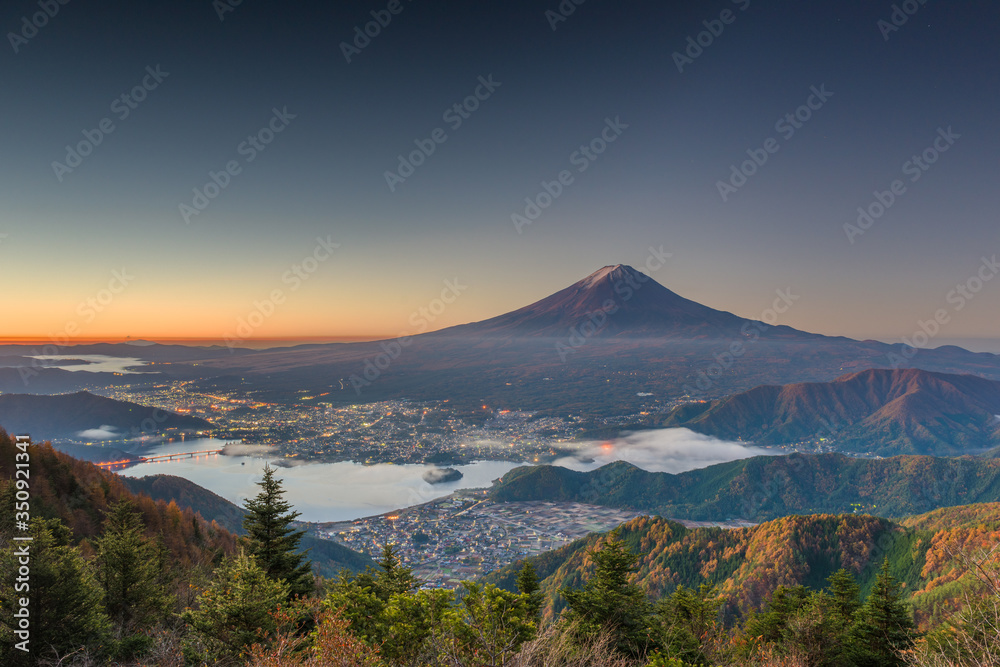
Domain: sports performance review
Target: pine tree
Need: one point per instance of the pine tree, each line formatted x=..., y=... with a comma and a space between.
x=609, y=602
x=271, y=541
x=234, y=612
x=883, y=626
x=352, y=598
x=416, y=626
x=64, y=608
x=391, y=577
x=527, y=584
x=686, y=622
x=131, y=571
x=495, y=623
x=771, y=623
x=844, y=593
x=386, y=611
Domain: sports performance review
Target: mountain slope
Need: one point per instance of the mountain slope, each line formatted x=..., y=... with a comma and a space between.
x=746, y=564
x=617, y=301
x=170, y=488
x=616, y=342
x=881, y=411
x=767, y=487
x=70, y=416
x=328, y=557
x=80, y=494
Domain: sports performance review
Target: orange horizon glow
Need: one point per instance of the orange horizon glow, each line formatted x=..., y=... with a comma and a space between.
x=189, y=340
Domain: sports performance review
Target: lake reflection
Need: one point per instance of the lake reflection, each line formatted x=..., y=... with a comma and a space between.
x=341, y=491
x=321, y=491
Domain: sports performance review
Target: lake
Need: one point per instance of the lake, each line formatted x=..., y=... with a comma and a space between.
x=347, y=490
x=321, y=491
x=94, y=363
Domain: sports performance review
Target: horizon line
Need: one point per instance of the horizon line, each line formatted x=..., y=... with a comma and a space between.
x=181, y=340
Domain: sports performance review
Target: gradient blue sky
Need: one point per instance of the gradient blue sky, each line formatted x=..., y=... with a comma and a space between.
x=323, y=176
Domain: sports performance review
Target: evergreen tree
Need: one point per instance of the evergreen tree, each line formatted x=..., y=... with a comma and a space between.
x=770, y=624
x=234, y=612
x=845, y=594
x=814, y=628
x=493, y=626
x=363, y=599
x=527, y=585
x=883, y=625
x=816, y=634
x=64, y=608
x=686, y=622
x=131, y=571
x=610, y=602
x=417, y=627
x=390, y=577
x=271, y=541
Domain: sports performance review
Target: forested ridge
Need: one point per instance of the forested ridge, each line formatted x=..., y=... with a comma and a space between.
x=762, y=488
x=118, y=578
x=746, y=564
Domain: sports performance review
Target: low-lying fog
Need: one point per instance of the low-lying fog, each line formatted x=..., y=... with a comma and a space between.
x=340, y=491
x=663, y=450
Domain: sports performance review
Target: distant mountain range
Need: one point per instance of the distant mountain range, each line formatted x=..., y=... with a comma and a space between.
x=767, y=487
x=616, y=342
x=884, y=412
x=85, y=417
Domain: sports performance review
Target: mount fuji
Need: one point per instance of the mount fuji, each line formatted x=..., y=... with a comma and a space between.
x=620, y=301
x=615, y=342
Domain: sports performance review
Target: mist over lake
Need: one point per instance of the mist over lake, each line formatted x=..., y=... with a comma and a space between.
x=347, y=490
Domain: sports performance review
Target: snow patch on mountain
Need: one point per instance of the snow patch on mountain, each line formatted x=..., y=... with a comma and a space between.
x=596, y=277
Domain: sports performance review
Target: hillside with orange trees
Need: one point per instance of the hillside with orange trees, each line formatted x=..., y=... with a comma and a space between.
x=746, y=565
x=79, y=494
